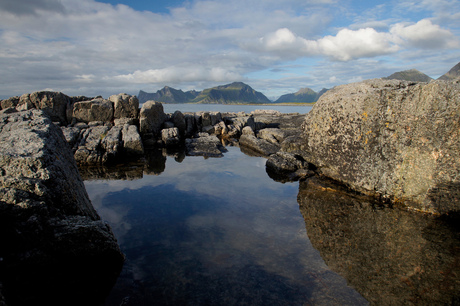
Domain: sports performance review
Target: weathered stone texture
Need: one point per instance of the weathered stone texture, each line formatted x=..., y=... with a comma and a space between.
x=391, y=138
x=52, y=238
x=95, y=110
x=125, y=106
x=151, y=118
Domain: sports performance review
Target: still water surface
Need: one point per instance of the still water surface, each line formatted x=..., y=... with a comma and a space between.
x=214, y=231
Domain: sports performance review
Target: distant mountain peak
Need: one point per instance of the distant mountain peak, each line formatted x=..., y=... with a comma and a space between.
x=233, y=93
x=304, y=95
x=451, y=74
x=412, y=75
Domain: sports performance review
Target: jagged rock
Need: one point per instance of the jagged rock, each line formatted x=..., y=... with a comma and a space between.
x=95, y=110
x=256, y=145
x=52, y=103
x=275, y=136
x=54, y=244
x=270, y=112
x=170, y=137
x=248, y=131
x=132, y=142
x=89, y=151
x=123, y=121
x=9, y=103
x=205, y=145
x=190, y=125
x=390, y=138
x=125, y=106
x=151, y=118
x=71, y=135
x=112, y=145
x=287, y=167
x=180, y=122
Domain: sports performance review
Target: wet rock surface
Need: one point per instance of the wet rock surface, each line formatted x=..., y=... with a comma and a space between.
x=391, y=256
x=54, y=244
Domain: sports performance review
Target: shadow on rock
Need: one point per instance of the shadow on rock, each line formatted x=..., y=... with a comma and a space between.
x=391, y=256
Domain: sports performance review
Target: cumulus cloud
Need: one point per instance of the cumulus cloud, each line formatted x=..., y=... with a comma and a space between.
x=423, y=34
x=180, y=74
x=346, y=45
x=350, y=44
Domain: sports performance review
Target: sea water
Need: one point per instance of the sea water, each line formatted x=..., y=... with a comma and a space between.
x=214, y=231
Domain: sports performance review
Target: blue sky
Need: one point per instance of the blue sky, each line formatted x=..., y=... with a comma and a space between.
x=89, y=47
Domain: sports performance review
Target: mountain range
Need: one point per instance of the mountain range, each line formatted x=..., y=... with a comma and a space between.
x=241, y=93
x=234, y=93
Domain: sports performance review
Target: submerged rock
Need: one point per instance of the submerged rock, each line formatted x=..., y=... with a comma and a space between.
x=394, y=139
x=54, y=245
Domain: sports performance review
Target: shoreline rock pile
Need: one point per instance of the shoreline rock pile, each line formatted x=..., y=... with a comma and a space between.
x=114, y=130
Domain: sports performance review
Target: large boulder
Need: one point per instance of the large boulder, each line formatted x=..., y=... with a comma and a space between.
x=98, y=109
x=132, y=142
x=125, y=106
x=390, y=138
x=52, y=103
x=151, y=118
x=54, y=244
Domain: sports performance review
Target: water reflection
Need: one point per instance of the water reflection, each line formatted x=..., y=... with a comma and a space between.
x=392, y=257
x=217, y=232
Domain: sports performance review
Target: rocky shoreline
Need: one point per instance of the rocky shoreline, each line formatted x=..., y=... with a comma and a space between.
x=396, y=142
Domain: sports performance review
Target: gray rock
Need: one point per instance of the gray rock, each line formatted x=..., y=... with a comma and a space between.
x=95, y=110
x=71, y=134
x=259, y=146
x=179, y=121
x=9, y=103
x=390, y=138
x=123, y=121
x=52, y=103
x=125, y=106
x=248, y=131
x=89, y=151
x=205, y=145
x=132, y=142
x=52, y=237
x=112, y=145
x=190, y=125
x=151, y=118
x=170, y=137
x=275, y=136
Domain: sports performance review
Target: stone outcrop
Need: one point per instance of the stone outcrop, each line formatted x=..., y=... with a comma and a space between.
x=393, y=139
x=204, y=145
x=95, y=110
x=53, y=103
x=125, y=106
x=390, y=256
x=54, y=244
x=151, y=118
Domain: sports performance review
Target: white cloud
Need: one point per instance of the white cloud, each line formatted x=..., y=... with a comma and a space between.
x=424, y=34
x=346, y=45
x=88, y=47
x=180, y=74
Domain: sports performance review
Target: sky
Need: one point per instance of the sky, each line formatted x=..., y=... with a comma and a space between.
x=88, y=47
